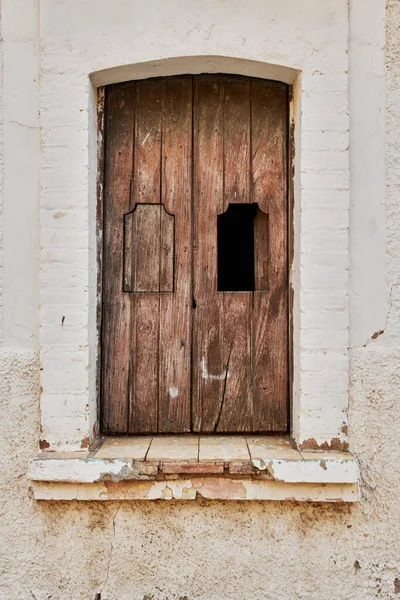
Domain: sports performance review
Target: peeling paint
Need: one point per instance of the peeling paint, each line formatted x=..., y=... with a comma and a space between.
x=206, y=375
x=259, y=464
x=208, y=488
x=92, y=470
x=173, y=392
x=334, y=444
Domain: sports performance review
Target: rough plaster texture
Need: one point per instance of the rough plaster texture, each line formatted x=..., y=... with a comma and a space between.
x=212, y=550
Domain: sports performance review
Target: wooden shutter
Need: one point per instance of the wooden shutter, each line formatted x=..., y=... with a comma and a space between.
x=179, y=355
x=240, y=338
x=147, y=310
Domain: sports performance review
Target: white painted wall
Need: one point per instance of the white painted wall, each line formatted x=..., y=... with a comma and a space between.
x=308, y=47
x=367, y=168
x=343, y=60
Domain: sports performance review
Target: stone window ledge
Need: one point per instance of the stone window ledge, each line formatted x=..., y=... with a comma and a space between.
x=189, y=467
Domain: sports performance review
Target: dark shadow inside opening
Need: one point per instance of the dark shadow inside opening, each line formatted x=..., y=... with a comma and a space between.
x=236, y=248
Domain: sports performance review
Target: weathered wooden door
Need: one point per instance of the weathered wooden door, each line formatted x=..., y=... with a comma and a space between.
x=195, y=274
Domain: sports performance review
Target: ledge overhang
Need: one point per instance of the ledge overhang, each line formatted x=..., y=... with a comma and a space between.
x=264, y=471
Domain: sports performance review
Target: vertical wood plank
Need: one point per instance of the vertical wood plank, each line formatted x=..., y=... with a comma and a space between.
x=175, y=309
x=261, y=251
x=129, y=252
x=268, y=141
x=144, y=363
x=146, y=188
x=208, y=365
x=236, y=94
x=116, y=318
x=236, y=403
x=236, y=407
x=270, y=361
x=147, y=168
x=166, y=251
x=270, y=317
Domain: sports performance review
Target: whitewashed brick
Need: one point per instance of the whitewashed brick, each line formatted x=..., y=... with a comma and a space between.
x=70, y=55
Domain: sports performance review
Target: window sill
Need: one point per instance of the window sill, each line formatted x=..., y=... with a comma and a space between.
x=190, y=467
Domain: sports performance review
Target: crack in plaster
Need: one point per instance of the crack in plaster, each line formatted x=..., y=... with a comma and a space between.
x=380, y=332
x=111, y=550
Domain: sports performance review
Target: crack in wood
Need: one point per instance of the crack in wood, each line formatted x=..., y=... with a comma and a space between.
x=224, y=390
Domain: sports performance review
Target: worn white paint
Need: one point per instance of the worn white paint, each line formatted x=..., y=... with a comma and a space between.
x=367, y=168
x=20, y=174
x=90, y=470
x=207, y=488
x=310, y=471
x=175, y=65
x=268, y=40
x=79, y=470
x=204, y=550
x=206, y=375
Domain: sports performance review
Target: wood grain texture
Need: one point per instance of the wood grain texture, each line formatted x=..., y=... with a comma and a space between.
x=236, y=403
x=261, y=251
x=270, y=315
x=175, y=309
x=149, y=249
x=240, y=346
x=167, y=251
x=208, y=367
x=145, y=318
x=144, y=363
x=177, y=355
x=116, y=314
x=236, y=140
x=145, y=248
x=222, y=389
x=146, y=181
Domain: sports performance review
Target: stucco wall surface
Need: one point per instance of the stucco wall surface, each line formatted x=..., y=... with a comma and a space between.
x=198, y=550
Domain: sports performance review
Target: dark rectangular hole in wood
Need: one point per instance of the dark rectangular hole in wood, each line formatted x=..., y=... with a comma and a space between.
x=236, y=248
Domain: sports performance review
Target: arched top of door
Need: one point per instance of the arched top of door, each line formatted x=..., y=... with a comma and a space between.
x=193, y=65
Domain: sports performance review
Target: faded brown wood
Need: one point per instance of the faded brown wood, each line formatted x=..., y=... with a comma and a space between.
x=175, y=309
x=166, y=251
x=148, y=249
x=145, y=318
x=236, y=404
x=209, y=366
x=116, y=323
x=236, y=409
x=261, y=251
x=270, y=318
x=144, y=363
x=236, y=139
x=130, y=241
x=144, y=251
x=270, y=361
x=222, y=389
x=146, y=181
x=171, y=306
